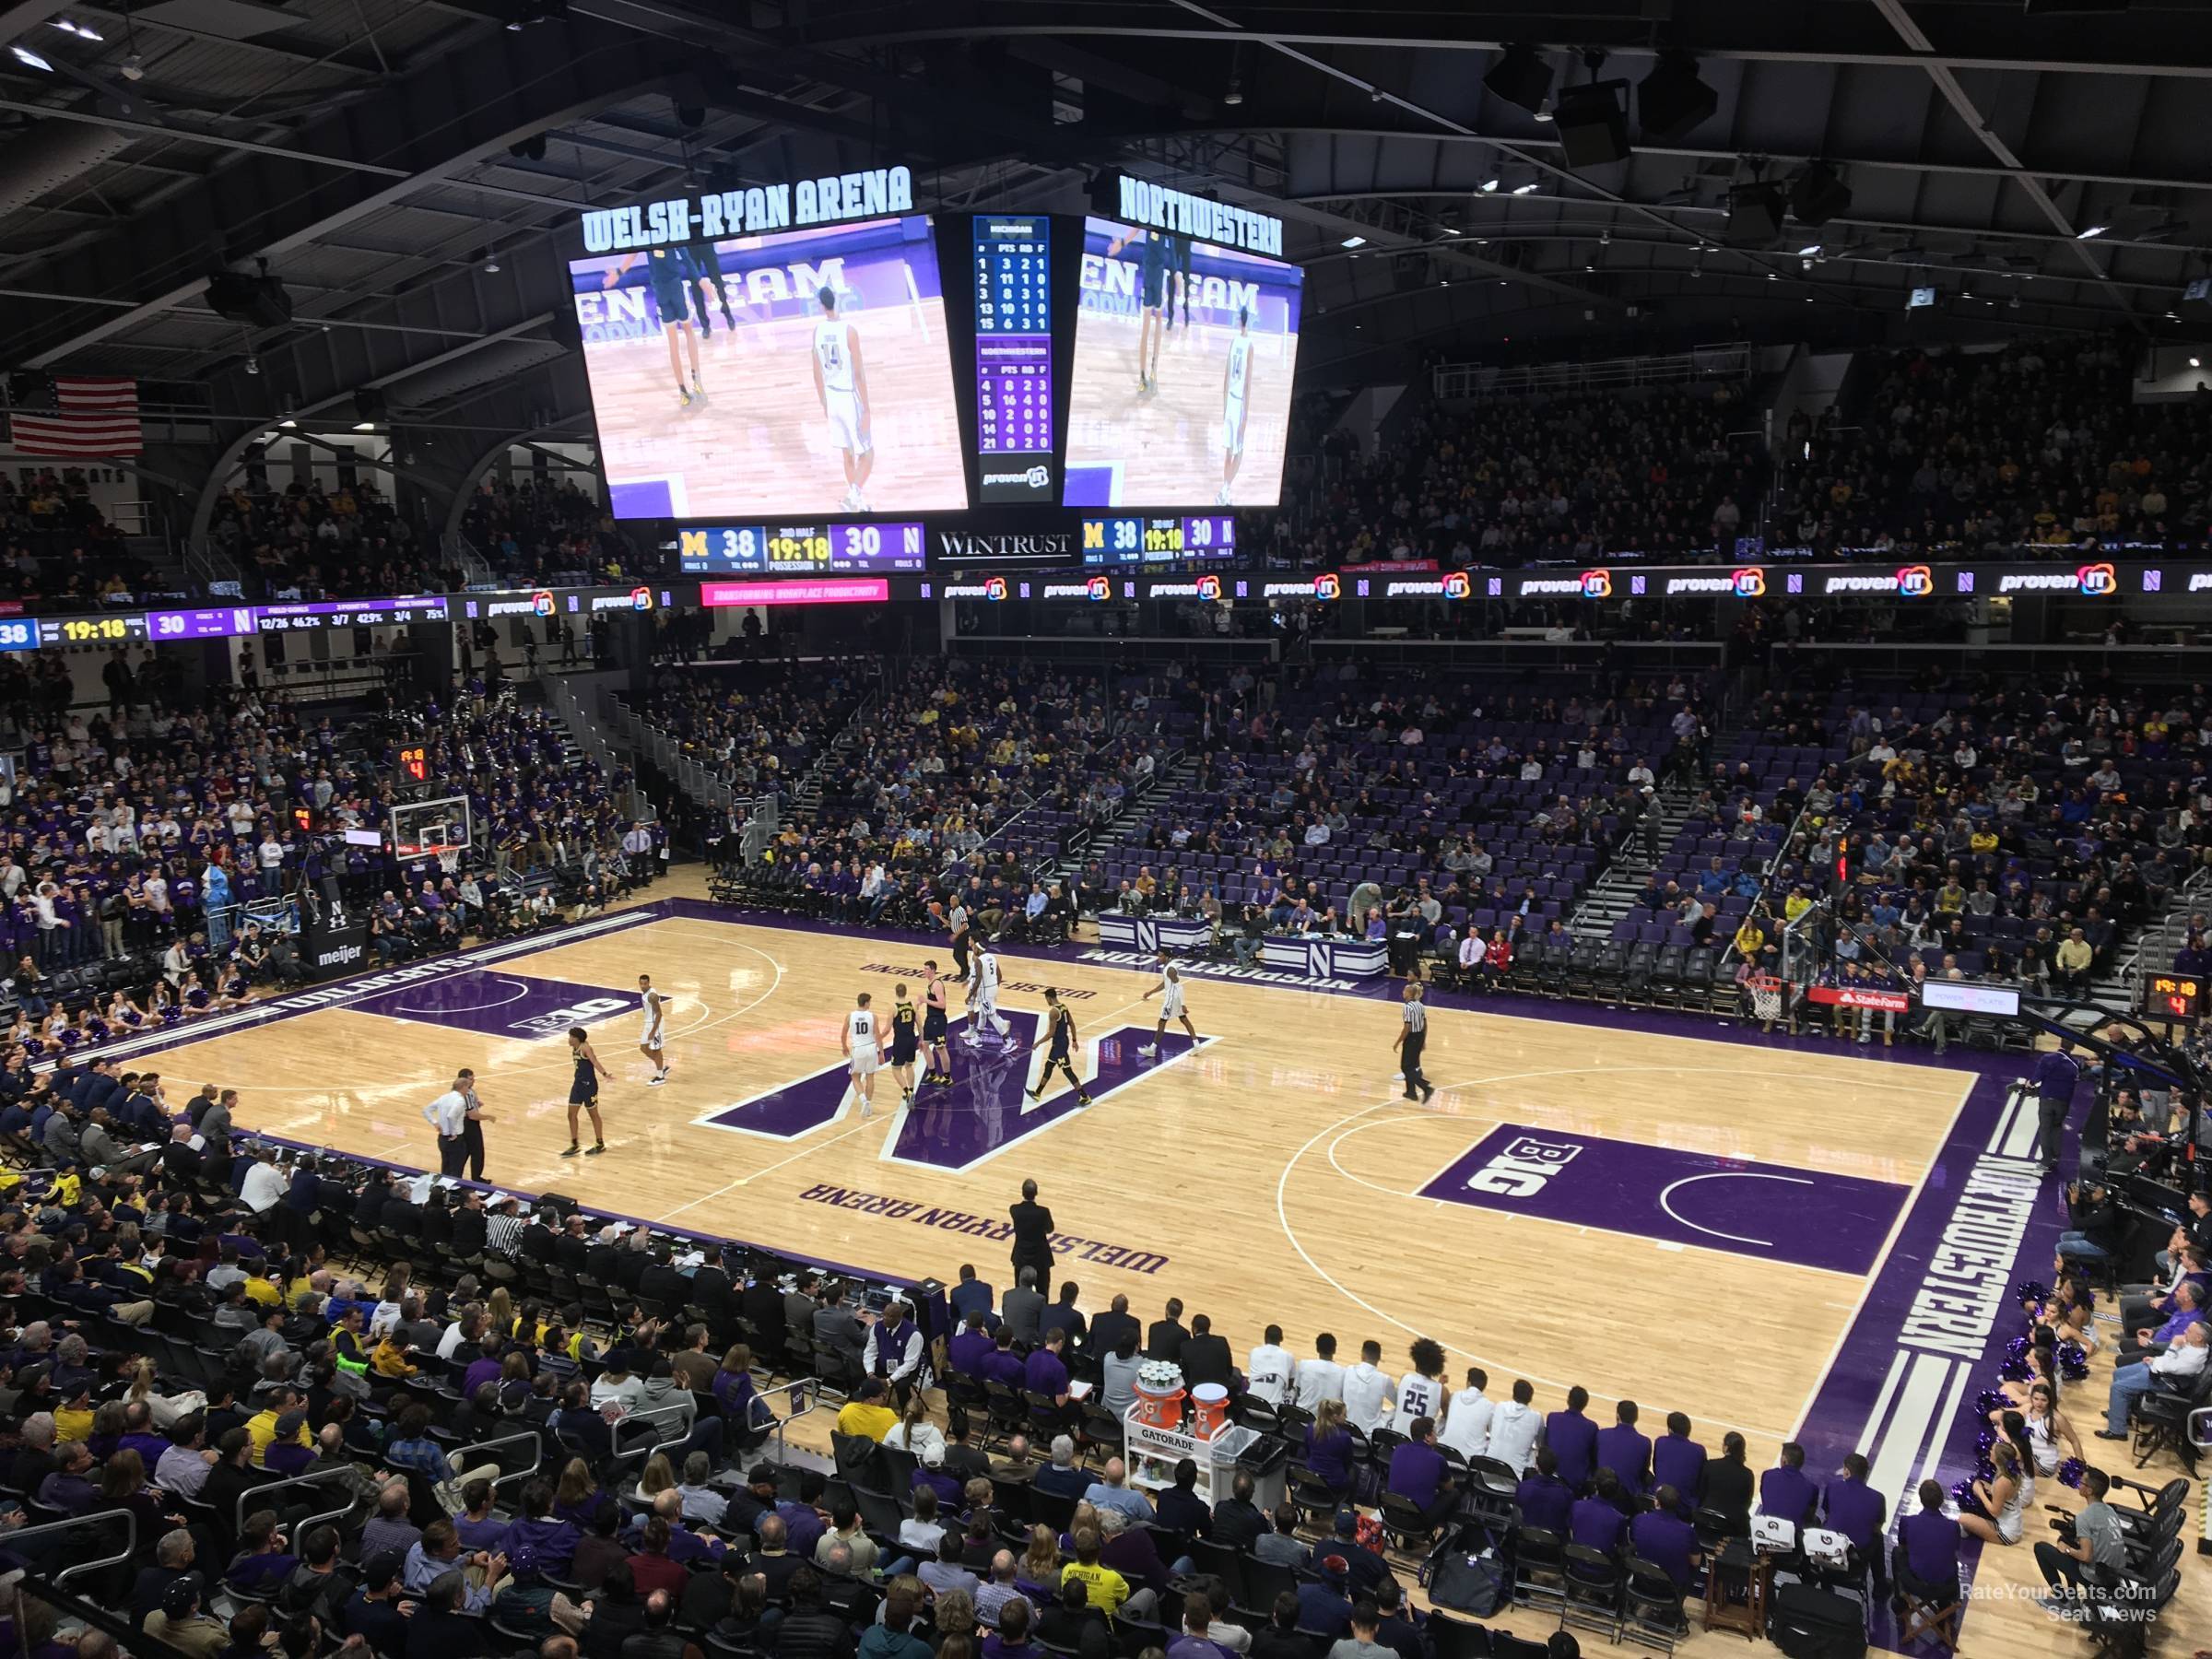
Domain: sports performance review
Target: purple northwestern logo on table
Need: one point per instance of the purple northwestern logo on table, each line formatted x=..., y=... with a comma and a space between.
x=986, y=1112
x=1809, y=1218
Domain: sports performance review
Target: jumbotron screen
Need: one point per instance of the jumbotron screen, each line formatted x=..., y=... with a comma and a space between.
x=1184, y=353
x=801, y=374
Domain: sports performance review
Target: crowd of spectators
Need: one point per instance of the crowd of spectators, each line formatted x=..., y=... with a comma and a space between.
x=532, y=533
x=2038, y=444
x=304, y=542
x=138, y=843
x=1666, y=472
x=60, y=551
x=1995, y=828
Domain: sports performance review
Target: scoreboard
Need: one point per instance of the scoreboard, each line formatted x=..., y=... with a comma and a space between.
x=1012, y=272
x=2173, y=995
x=1132, y=540
x=801, y=549
x=120, y=629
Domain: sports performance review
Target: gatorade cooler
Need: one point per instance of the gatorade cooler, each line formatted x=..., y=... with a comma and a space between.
x=1158, y=1406
x=1210, y=1402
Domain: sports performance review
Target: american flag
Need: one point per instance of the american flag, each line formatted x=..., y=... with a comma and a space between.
x=99, y=419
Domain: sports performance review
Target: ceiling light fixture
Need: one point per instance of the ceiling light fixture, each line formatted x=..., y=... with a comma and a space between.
x=2195, y=364
x=1490, y=187
x=134, y=67
x=1354, y=241
x=2094, y=231
x=25, y=55
x=1809, y=249
x=1529, y=189
x=1235, y=95
x=364, y=426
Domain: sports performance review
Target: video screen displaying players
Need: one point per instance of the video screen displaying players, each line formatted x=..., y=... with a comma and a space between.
x=1184, y=353
x=804, y=373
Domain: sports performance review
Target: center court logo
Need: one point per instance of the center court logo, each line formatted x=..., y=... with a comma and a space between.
x=585, y=1012
x=1523, y=1168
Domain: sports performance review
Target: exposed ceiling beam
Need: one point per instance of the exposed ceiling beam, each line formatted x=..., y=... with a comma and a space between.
x=149, y=129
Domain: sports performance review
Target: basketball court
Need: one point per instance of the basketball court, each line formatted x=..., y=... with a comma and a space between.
x=1163, y=446
x=1744, y=1230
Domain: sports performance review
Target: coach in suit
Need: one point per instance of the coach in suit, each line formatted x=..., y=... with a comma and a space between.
x=1033, y=1238
x=1108, y=1328
x=837, y=1325
x=971, y=1294
x=1024, y=1311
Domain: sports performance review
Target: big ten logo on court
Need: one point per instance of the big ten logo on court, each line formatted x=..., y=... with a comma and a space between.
x=1749, y=583
x=1327, y=586
x=1457, y=585
x=1522, y=1169
x=541, y=602
x=1597, y=584
x=1915, y=581
x=2098, y=580
x=1099, y=587
x=579, y=1013
x=1209, y=588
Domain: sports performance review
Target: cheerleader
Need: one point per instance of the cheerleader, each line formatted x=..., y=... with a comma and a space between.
x=164, y=1010
x=198, y=997
x=124, y=1015
x=234, y=991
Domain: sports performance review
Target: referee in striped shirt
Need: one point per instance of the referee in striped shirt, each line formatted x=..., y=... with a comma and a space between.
x=1413, y=1036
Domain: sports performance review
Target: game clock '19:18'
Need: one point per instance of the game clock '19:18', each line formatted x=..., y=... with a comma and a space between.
x=787, y=549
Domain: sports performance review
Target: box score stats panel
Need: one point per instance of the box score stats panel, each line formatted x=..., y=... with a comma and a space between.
x=1012, y=268
x=801, y=549
x=214, y=622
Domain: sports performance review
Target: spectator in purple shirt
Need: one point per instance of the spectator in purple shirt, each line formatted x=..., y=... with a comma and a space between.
x=969, y=1347
x=1786, y=1491
x=1597, y=1522
x=1625, y=1451
x=1680, y=1461
x=1573, y=1437
x=1545, y=1499
x=1662, y=1538
x=1044, y=1373
x=1926, y=1559
x=1002, y=1365
x=929, y=1471
x=1858, y=1511
x=1418, y=1473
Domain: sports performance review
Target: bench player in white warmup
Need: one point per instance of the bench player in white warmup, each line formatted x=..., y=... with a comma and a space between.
x=1236, y=381
x=650, y=1040
x=1169, y=991
x=983, y=1000
x=841, y=380
x=863, y=1058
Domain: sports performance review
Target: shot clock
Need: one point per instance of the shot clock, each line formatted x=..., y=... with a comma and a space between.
x=2178, y=996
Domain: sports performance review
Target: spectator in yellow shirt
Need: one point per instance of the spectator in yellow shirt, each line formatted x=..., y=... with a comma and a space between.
x=1749, y=939
x=1106, y=1588
x=261, y=1428
x=866, y=1413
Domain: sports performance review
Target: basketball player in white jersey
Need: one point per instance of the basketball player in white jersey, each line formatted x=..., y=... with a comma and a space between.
x=863, y=1058
x=982, y=999
x=1236, y=381
x=841, y=380
x=649, y=1042
x=1422, y=1390
x=1169, y=991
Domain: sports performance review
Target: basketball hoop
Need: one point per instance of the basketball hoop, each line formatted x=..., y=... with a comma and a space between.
x=1766, y=997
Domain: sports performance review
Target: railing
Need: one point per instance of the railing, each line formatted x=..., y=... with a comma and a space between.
x=2154, y=945
x=475, y=569
x=254, y=1498
x=1731, y=360
x=802, y=1403
x=699, y=782
x=76, y=1569
x=1766, y=886
x=529, y=1439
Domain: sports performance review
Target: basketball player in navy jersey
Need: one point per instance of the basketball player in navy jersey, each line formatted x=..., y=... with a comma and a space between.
x=933, y=1026
x=862, y=1059
x=1169, y=991
x=841, y=380
x=650, y=1040
x=1152, y=299
x=1236, y=383
x=667, y=274
x=583, y=1093
x=703, y=268
x=1060, y=1027
x=904, y=1041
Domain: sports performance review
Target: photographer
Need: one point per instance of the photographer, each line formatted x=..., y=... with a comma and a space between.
x=2091, y=1549
x=2096, y=1224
